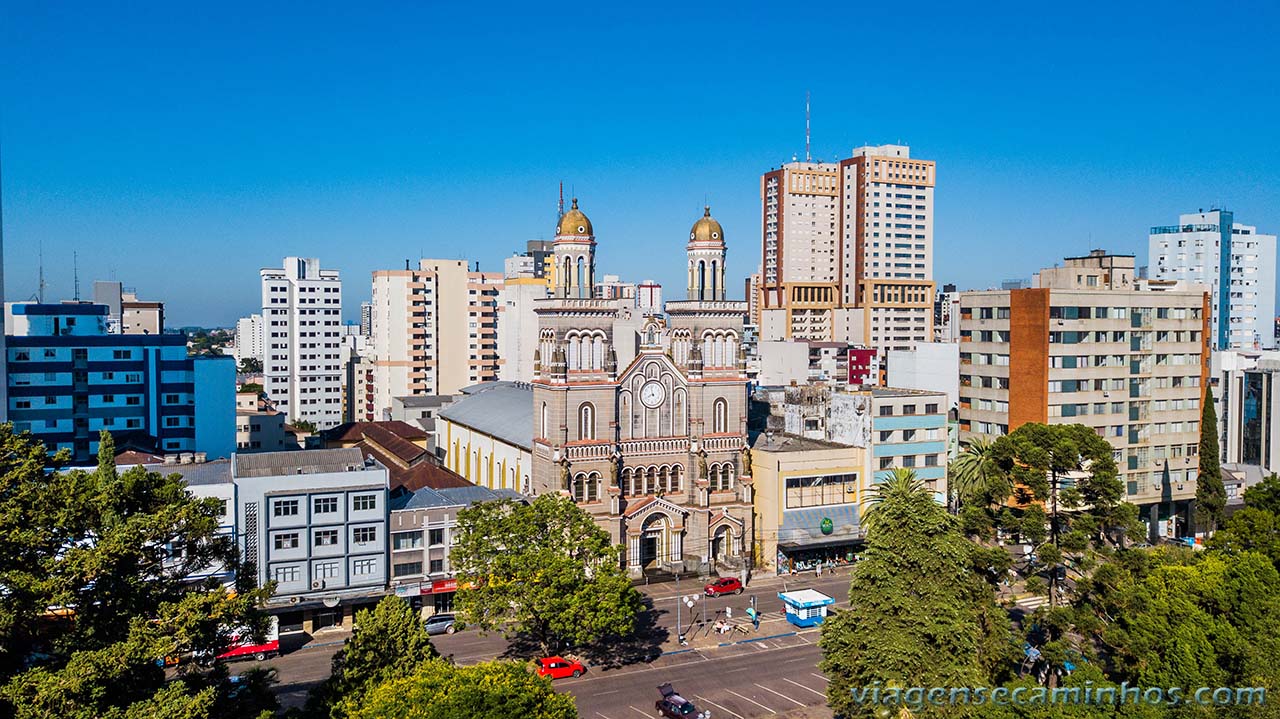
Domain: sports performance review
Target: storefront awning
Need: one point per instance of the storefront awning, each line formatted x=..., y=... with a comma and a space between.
x=818, y=526
x=813, y=543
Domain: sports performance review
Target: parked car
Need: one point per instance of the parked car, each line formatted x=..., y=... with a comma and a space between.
x=559, y=668
x=243, y=646
x=723, y=585
x=441, y=624
x=674, y=706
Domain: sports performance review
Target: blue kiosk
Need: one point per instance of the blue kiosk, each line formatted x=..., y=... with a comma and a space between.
x=806, y=607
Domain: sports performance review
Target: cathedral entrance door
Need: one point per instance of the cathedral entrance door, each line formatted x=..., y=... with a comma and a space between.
x=653, y=542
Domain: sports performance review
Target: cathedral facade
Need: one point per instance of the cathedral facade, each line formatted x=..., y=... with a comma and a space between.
x=655, y=450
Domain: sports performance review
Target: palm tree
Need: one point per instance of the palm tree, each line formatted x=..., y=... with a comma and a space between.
x=902, y=483
x=975, y=476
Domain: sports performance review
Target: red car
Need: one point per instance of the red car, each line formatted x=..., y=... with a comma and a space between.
x=723, y=585
x=559, y=668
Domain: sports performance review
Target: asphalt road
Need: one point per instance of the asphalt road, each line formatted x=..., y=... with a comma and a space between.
x=761, y=678
x=755, y=678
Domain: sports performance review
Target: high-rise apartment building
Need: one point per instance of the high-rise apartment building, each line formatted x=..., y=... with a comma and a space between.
x=1091, y=344
x=249, y=338
x=69, y=378
x=435, y=329
x=366, y=319
x=847, y=250
x=517, y=321
x=1238, y=265
x=301, y=318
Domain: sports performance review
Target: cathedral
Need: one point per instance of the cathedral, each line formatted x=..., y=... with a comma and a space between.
x=656, y=449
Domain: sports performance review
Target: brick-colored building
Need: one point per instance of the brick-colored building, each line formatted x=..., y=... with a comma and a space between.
x=653, y=448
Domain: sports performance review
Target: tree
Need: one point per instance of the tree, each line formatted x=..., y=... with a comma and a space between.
x=919, y=614
x=1265, y=495
x=1211, y=494
x=304, y=425
x=389, y=642
x=545, y=570
x=95, y=593
x=976, y=477
x=490, y=690
x=250, y=365
x=1040, y=459
x=253, y=387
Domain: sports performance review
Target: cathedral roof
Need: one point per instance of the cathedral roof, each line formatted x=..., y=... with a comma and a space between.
x=574, y=222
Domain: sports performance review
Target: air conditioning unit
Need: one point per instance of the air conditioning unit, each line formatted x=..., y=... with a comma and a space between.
x=318, y=584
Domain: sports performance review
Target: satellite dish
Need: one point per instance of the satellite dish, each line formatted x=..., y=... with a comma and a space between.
x=331, y=602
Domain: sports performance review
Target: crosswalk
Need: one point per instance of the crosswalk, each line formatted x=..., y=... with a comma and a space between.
x=1032, y=603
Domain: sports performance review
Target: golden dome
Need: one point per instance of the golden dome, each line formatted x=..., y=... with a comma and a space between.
x=574, y=222
x=706, y=231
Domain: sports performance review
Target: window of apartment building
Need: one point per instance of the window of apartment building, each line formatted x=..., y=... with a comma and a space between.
x=909, y=460
x=133, y=423
x=133, y=401
x=437, y=566
x=931, y=460
x=435, y=537
x=121, y=354
x=325, y=505
x=404, y=569
x=908, y=409
x=172, y=421
x=406, y=540
x=286, y=541
x=931, y=409
x=326, y=570
x=886, y=410
x=326, y=537
x=365, y=502
x=21, y=355
x=820, y=490
x=364, y=535
x=284, y=508
x=364, y=567
x=284, y=575
x=886, y=462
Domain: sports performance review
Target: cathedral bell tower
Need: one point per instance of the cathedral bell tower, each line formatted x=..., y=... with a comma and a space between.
x=574, y=251
x=706, y=253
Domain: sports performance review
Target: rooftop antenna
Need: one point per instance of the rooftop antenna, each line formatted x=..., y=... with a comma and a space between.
x=75, y=268
x=807, y=156
x=40, y=281
x=561, y=210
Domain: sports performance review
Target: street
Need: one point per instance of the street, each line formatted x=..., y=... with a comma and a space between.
x=759, y=673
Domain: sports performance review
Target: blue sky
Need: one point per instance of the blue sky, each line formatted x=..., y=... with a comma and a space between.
x=180, y=149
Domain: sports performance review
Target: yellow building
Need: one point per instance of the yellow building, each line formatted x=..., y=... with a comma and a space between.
x=807, y=495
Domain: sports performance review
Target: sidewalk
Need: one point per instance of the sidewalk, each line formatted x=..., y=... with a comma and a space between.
x=760, y=582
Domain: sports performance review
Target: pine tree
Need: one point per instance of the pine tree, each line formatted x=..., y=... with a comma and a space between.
x=1211, y=495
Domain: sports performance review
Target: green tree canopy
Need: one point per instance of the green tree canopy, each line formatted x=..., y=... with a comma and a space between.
x=976, y=477
x=491, y=690
x=545, y=570
x=95, y=592
x=389, y=642
x=919, y=614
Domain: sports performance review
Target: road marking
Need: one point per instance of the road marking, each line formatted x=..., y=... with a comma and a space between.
x=753, y=701
x=784, y=696
x=820, y=677
x=721, y=707
x=602, y=716
x=600, y=694
x=637, y=711
x=762, y=646
x=815, y=691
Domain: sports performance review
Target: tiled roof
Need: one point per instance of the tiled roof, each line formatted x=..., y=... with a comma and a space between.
x=353, y=431
x=216, y=472
x=401, y=448
x=424, y=473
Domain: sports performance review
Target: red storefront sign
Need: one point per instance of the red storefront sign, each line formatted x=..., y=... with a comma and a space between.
x=444, y=585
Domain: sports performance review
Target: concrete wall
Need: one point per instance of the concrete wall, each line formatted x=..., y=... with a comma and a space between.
x=931, y=366
x=215, y=401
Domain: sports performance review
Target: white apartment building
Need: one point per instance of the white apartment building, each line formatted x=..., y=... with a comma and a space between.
x=435, y=329
x=248, y=338
x=1236, y=262
x=848, y=249
x=517, y=322
x=301, y=319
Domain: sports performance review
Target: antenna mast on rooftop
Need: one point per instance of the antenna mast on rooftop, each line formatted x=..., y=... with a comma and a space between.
x=807, y=156
x=40, y=279
x=561, y=199
x=75, y=269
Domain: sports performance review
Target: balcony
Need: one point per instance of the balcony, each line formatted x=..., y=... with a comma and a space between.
x=654, y=446
x=588, y=452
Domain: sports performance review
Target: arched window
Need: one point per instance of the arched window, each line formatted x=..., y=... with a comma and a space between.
x=593, y=487
x=582, y=278
x=567, y=278
x=597, y=352
x=714, y=275
x=546, y=434
x=674, y=479
x=573, y=357
x=720, y=417
x=586, y=421
x=702, y=280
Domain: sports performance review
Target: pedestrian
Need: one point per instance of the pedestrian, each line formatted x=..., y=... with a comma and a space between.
x=819, y=568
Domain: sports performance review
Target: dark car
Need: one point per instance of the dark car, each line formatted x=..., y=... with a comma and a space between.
x=674, y=706
x=723, y=585
x=441, y=624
